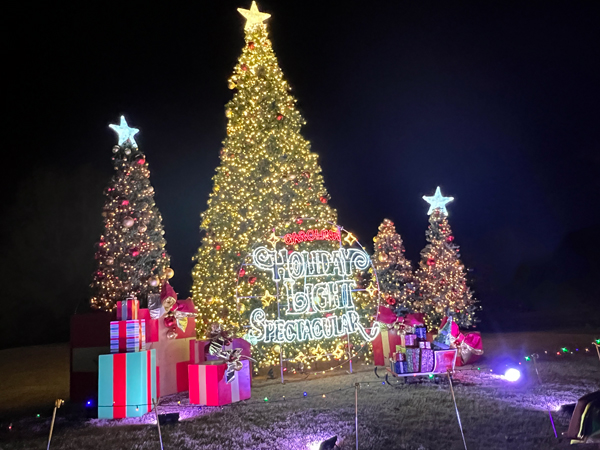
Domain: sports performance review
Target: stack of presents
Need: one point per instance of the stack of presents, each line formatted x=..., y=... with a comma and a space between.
x=128, y=363
x=407, y=347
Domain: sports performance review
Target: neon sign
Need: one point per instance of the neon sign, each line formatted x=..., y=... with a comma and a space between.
x=311, y=235
x=308, y=289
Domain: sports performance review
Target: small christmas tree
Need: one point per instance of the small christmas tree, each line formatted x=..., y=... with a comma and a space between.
x=441, y=276
x=131, y=256
x=394, y=271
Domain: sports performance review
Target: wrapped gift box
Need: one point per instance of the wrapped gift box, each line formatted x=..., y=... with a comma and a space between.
x=208, y=386
x=409, y=340
x=427, y=360
x=444, y=360
x=127, y=336
x=384, y=345
x=421, y=333
x=128, y=309
x=126, y=384
x=413, y=359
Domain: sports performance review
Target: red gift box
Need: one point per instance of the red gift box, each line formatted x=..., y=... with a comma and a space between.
x=128, y=309
x=208, y=386
x=90, y=337
x=384, y=345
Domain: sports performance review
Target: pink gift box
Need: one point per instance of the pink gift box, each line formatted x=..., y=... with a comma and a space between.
x=128, y=309
x=208, y=386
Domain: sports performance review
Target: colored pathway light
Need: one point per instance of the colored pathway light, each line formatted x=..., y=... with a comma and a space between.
x=305, y=394
x=527, y=358
x=565, y=349
x=512, y=375
x=266, y=399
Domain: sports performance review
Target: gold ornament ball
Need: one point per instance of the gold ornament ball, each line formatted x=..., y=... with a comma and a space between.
x=128, y=151
x=383, y=257
x=128, y=222
x=153, y=281
x=110, y=260
x=228, y=113
x=276, y=349
x=242, y=308
x=169, y=273
x=142, y=228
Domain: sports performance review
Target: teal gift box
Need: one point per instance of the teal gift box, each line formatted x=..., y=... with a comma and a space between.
x=126, y=384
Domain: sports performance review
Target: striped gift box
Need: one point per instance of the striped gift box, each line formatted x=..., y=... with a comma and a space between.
x=208, y=385
x=126, y=384
x=128, y=309
x=127, y=336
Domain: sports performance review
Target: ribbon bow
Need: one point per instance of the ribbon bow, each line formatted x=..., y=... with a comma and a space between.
x=219, y=338
x=166, y=304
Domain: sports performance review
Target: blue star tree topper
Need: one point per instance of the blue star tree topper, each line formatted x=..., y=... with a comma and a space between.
x=125, y=132
x=437, y=201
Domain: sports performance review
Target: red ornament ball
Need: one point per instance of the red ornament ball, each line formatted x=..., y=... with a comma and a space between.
x=323, y=200
x=390, y=300
x=252, y=280
x=242, y=272
x=279, y=117
x=299, y=221
x=217, y=246
x=135, y=252
x=251, y=45
x=141, y=161
x=431, y=262
x=450, y=238
x=125, y=202
x=244, y=67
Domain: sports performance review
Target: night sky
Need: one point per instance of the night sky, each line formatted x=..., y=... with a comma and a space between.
x=496, y=102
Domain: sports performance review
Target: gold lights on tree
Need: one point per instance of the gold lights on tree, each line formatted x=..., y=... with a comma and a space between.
x=268, y=177
x=394, y=271
x=130, y=256
x=441, y=276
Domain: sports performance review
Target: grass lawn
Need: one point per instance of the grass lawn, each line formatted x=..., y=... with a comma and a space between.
x=419, y=416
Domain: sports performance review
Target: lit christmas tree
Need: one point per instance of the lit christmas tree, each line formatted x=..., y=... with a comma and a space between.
x=441, y=276
x=268, y=180
x=131, y=255
x=394, y=271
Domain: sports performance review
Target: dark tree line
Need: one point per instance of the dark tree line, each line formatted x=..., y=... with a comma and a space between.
x=48, y=235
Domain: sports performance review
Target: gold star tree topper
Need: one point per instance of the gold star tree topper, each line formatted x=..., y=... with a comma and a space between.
x=253, y=16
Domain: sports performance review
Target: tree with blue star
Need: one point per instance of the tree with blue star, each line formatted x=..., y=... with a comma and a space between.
x=130, y=256
x=441, y=276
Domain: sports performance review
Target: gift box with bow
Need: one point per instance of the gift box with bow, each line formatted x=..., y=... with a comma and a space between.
x=126, y=384
x=128, y=309
x=208, y=383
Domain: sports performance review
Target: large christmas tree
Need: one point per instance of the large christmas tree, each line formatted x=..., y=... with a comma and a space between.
x=394, y=271
x=268, y=177
x=131, y=256
x=441, y=275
